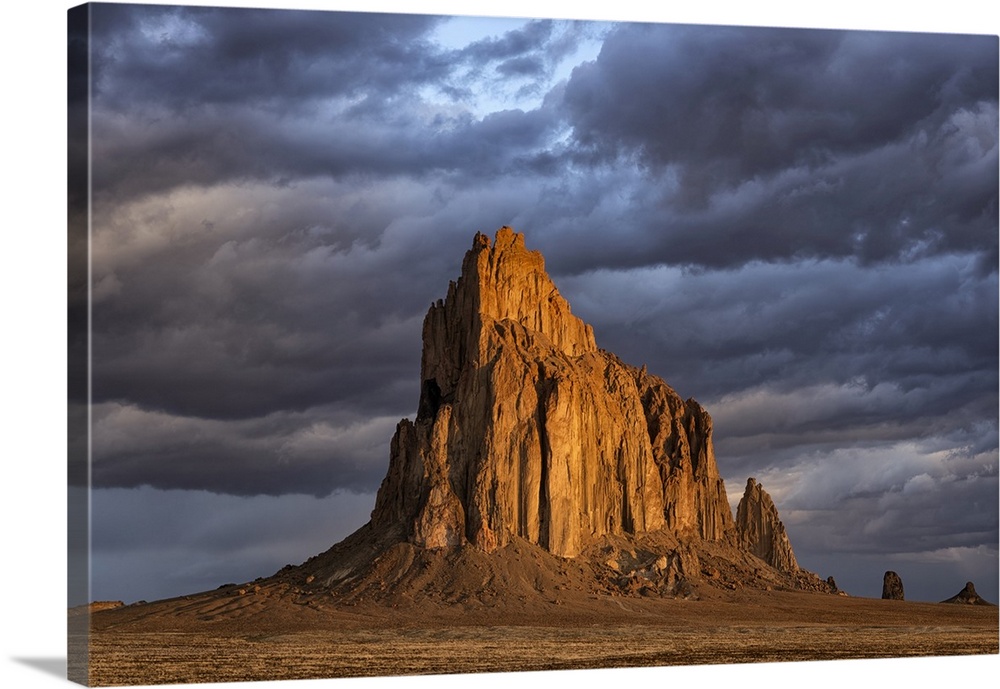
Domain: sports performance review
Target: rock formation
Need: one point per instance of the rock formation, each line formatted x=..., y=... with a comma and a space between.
x=892, y=586
x=532, y=446
x=967, y=596
x=760, y=531
x=526, y=429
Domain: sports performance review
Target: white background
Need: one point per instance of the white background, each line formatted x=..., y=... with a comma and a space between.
x=32, y=339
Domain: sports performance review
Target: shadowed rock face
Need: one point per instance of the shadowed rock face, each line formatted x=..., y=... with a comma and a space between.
x=526, y=429
x=760, y=531
x=892, y=586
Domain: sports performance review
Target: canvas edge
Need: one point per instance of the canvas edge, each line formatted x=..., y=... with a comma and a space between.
x=78, y=343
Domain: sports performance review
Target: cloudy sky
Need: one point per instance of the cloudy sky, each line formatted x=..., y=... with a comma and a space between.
x=796, y=227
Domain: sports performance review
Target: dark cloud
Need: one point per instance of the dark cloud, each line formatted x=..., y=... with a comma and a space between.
x=173, y=543
x=313, y=452
x=244, y=316
x=188, y=96
x=814, y=143
x=790, y=325
x=192, y=58
x=735, y=104
x=521, y=66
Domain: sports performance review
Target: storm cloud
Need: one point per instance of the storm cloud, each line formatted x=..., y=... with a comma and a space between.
x=796, y=227
x=816, y=144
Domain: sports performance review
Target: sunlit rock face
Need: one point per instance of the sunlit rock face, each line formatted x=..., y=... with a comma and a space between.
x=759, y=530
x=525, y=428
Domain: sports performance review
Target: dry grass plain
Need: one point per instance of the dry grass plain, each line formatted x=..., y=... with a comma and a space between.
x=303, y=640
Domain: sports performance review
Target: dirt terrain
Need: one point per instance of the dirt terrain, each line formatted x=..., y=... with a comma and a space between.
x=313, y=642
x=413, y=611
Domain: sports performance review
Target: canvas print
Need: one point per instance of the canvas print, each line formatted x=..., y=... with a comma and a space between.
x=412, y=344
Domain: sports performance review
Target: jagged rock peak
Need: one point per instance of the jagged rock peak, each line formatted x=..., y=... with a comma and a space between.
x=502, y=282
x=509, y=282
x=760, y=531
x=967, y=596
x=526, y=429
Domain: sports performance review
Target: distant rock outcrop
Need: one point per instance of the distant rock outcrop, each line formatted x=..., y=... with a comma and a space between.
x=760, y=531
x=526, y=429
x=892, y=586
x=967, y=596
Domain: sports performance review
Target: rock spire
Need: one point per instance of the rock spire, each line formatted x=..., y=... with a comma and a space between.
x=760, y=531
x=526, y=429
x=892, y=586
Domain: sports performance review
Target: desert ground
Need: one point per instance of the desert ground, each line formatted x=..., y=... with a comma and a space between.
x=270, y=634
